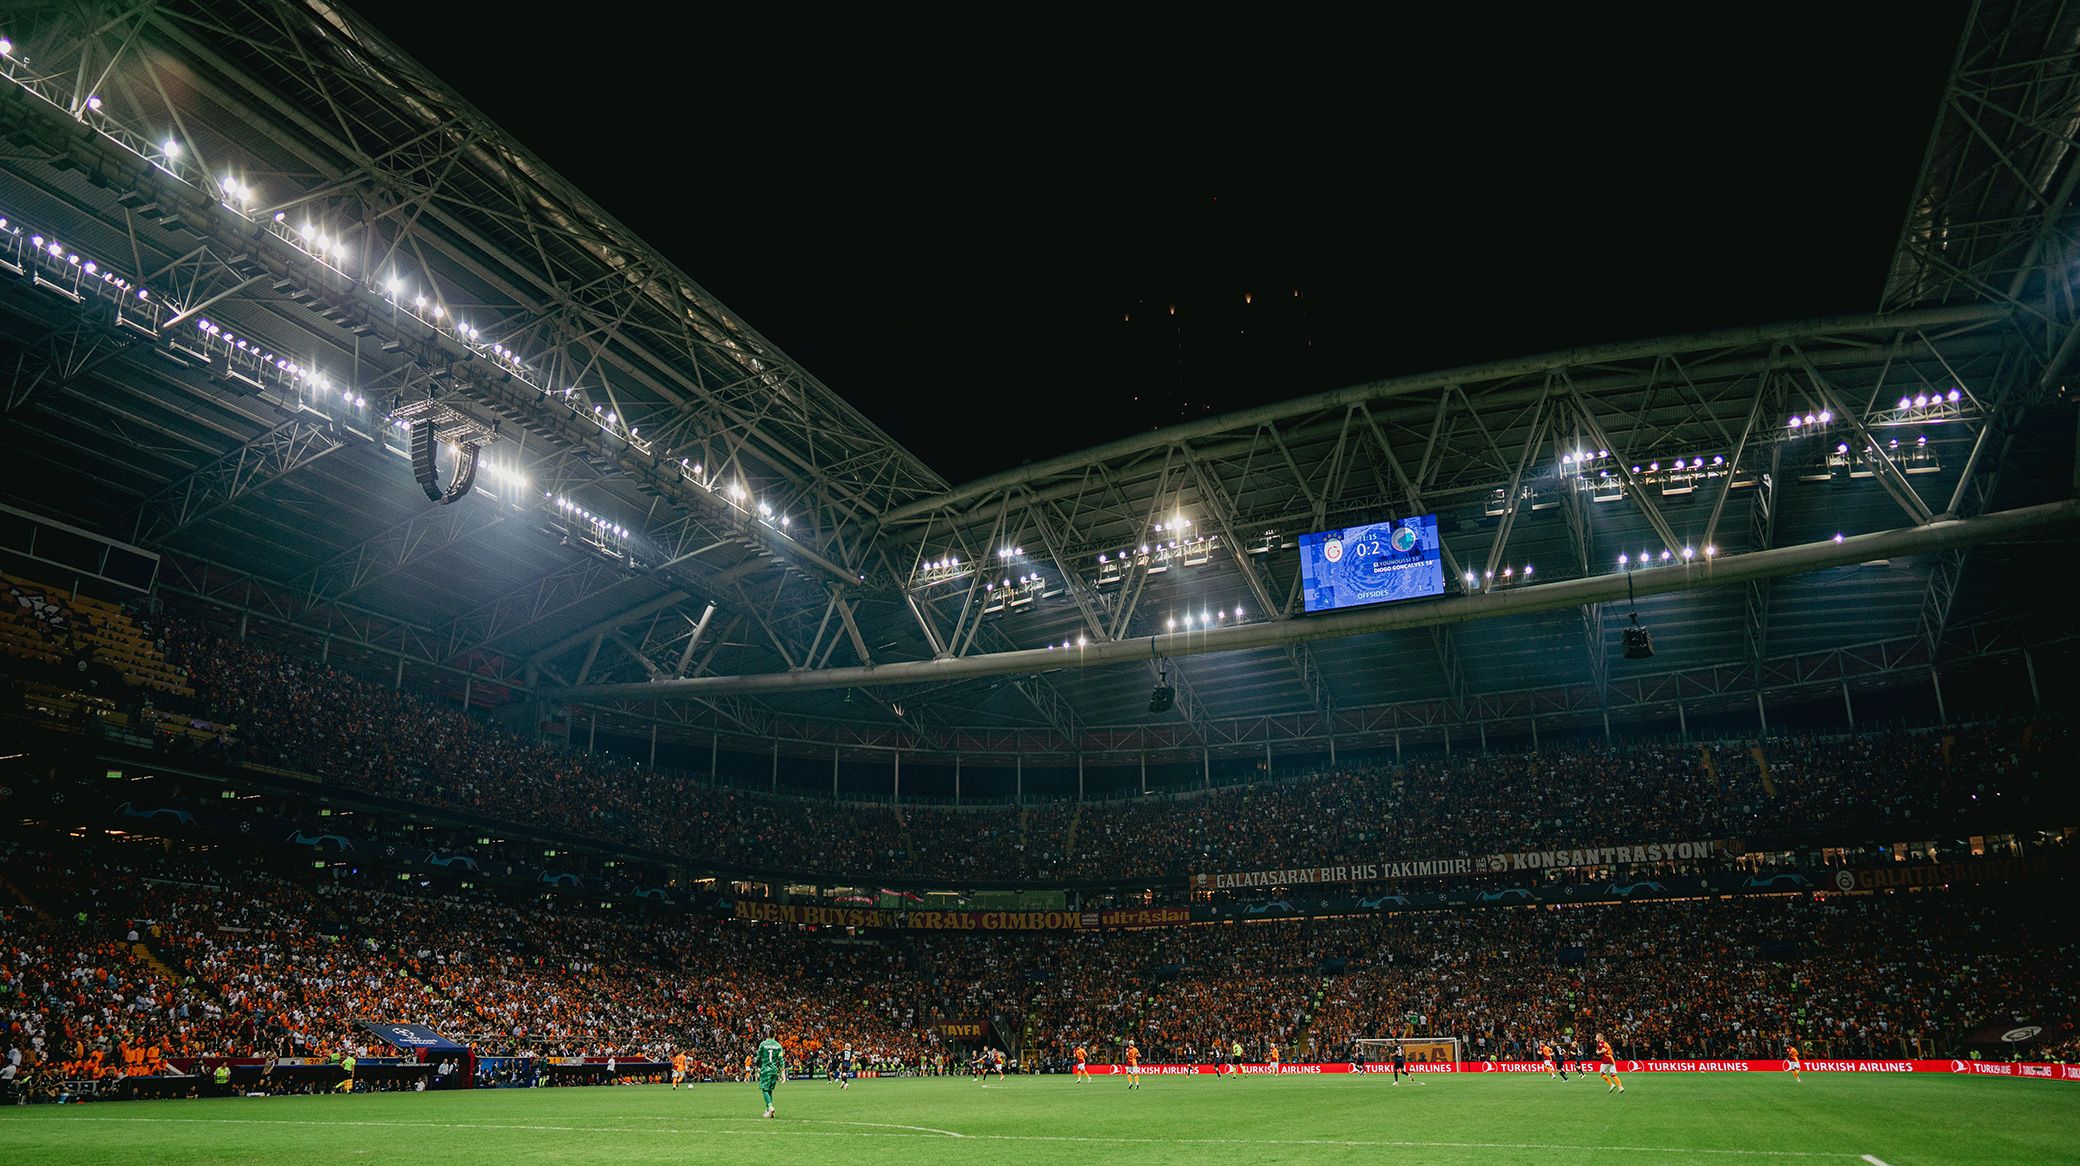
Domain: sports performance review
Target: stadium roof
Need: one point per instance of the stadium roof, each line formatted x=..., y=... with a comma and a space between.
x=298, y=235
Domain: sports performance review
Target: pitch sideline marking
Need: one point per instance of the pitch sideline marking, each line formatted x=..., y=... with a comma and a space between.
x=1339, y=1142
x=1874, y=1160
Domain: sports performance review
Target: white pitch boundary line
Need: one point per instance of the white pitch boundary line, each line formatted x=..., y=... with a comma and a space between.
x=794, y=1129
x=1874, y=1160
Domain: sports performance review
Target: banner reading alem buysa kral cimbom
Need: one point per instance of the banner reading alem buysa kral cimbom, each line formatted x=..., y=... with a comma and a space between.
x=1669, y=850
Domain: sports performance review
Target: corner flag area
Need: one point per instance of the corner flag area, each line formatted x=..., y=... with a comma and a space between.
x=1663, y=1118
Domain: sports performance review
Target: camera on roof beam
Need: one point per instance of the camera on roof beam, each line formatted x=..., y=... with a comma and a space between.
x=1639, y=643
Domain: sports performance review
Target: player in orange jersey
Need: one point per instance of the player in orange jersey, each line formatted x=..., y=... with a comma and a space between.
x=1133, y=1066
x=1551, y=1058
x=1082, y=1072
x=678, y=1068
x=1607, y=1065
x=1794, y=1065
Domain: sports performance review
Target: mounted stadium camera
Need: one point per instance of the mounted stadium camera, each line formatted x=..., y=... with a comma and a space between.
x=1639, y=642
x=1164, y=697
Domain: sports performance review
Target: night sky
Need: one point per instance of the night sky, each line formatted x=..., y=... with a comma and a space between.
x=1005, y=242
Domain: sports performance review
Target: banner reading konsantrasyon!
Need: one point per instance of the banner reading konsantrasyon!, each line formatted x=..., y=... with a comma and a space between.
x=1666, y=850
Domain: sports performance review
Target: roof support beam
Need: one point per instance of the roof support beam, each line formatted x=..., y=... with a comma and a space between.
x=1874, y=452
x=266, y=459
x=1747, y=336
x=613, y=622
x=1718, y=572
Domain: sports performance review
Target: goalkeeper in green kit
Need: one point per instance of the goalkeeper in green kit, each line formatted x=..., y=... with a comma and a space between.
x=771, y=1062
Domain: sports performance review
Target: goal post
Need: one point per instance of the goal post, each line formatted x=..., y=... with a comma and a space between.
x=1418, y=1050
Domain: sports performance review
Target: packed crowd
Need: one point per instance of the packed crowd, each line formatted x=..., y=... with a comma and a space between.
x=254, y=964
x=302, y=715
x=1885, y=977
x=162, y=957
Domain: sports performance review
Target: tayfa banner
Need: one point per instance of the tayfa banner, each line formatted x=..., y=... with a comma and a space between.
x=1142, y=916
x=963, y=1029
x=1668, y=850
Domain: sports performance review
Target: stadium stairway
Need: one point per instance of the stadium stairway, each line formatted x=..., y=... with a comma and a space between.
x=1069, y=835
x=1303, y=1040
x=143, y=953
x=903, y=830
x=18, y=895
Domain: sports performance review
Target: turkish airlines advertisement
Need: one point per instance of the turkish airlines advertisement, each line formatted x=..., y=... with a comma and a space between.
x=2036, y=1069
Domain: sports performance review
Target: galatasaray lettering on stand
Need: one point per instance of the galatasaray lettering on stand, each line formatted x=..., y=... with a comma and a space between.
x=1362, y=872
x=1940, y=874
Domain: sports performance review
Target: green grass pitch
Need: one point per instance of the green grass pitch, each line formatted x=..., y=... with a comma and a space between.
x=1668, y=1118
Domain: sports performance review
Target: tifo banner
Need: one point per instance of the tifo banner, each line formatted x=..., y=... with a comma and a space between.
x=2034, y=1069
x=963, y=1029
x=1519, y=860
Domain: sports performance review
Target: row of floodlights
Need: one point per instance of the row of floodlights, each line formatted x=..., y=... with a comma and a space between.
x=240, y=196
x=282, y=364
x=1202, y=620
x=1145, y=548
x=1647, y=558
x=572, y=508
x=1490, y=579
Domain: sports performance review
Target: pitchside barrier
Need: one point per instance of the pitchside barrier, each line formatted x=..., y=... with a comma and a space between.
x=2037, y=1069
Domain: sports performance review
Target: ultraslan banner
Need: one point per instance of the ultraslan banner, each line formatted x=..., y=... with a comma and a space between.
x=1667, y=850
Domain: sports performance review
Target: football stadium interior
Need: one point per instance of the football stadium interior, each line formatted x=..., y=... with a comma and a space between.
x=448, y=655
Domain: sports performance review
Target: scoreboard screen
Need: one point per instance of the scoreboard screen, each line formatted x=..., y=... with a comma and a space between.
x=1376, y=563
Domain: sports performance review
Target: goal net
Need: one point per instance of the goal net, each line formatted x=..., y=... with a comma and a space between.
x=1419, y=1050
